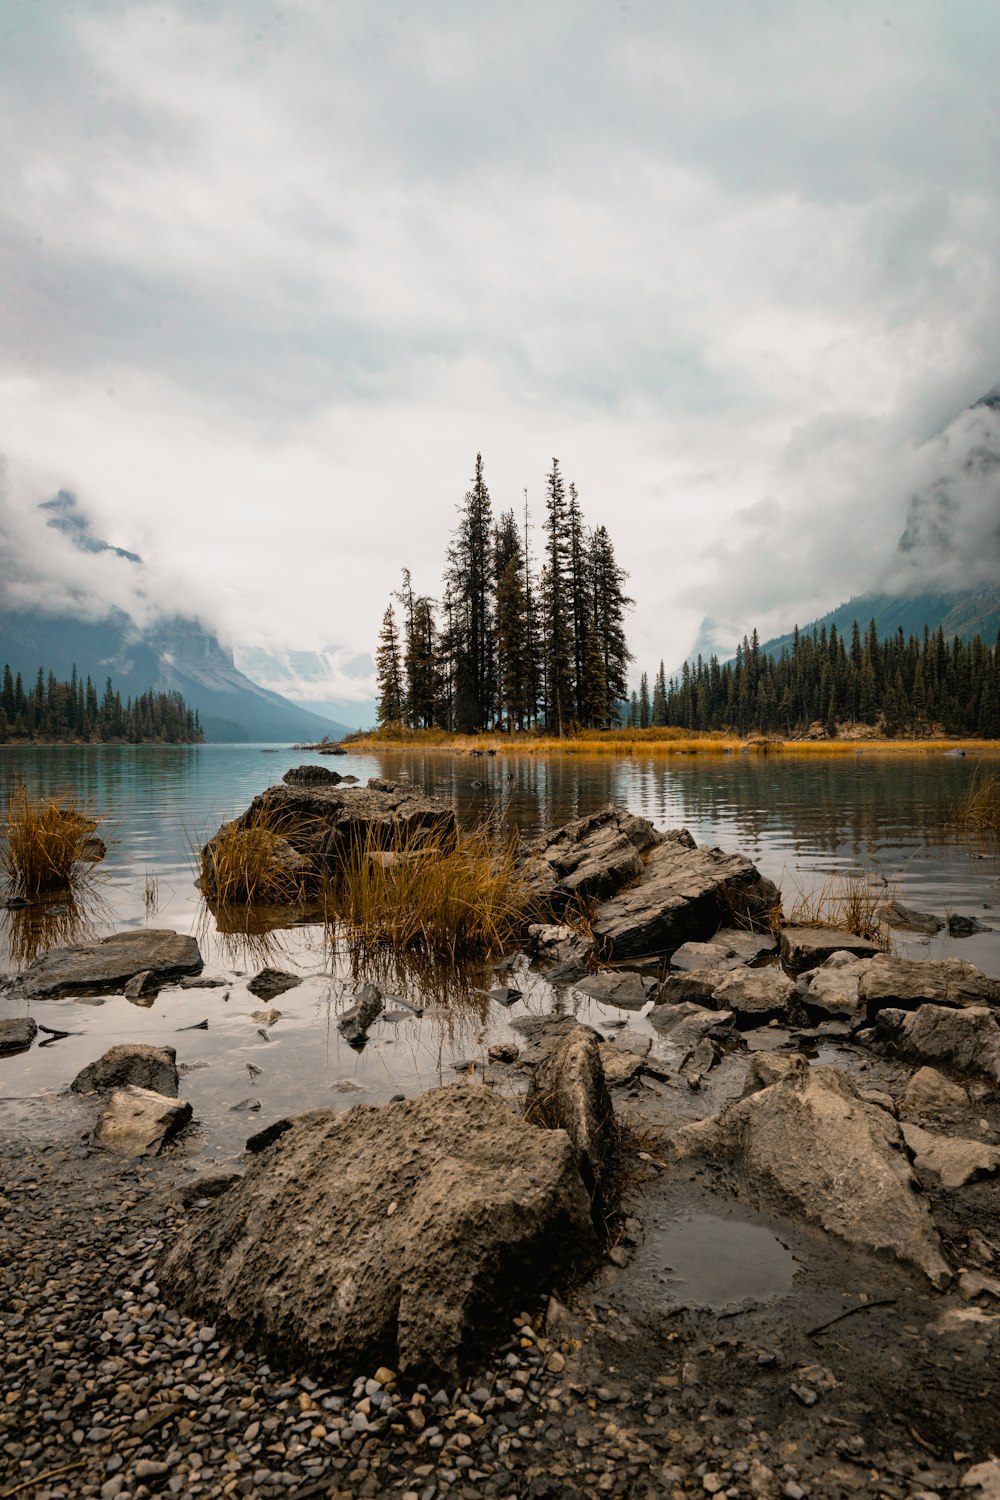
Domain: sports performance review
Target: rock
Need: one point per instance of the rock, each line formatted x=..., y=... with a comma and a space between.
x=207, y=1185
x=272, y=982
x=139, y=1122
x=961, y=926
x=756, y=996
x=504, y=994
x=744, y=943
x=684, y=895
x=684, y=1028
x=983, y=1479
x=202, y=982
x=104, y=966
x=955, y=1160
x=907, y=920
x=504, y=1052
x=568, y=1092
x=832, y=989
x=809, y=1142
x=560, y=945
x=17, y=1033
x=930, y=1093
x=808, y=947
x=621, y=987
x=266, y=1017
x=967, y=1040
x=142, y=986
x=619, y=1067
x=311, y=776
x=136, y=1063
x=320, y=822
x=405, y=1236
x=696, y=988
x=905, y=983
x=713, y=955
x=267, y=1137
x=637, y=1042
x=588, y=859
x=354, y=1023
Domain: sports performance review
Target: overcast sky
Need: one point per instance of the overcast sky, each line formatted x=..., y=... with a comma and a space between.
x=271, y=276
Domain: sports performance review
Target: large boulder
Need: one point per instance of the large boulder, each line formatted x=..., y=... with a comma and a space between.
x=685, y=894
x=17, y=1033
x=569, y=1092
x=104, y=967
x=139, y=1122
x=321, y=822
x=403, y=1236
x=905, y=983
x=130, y=1062
x=590, y=858
x=810, y=1144
x=966, y=1040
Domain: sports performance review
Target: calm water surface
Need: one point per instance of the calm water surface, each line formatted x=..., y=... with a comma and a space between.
x=800, y=820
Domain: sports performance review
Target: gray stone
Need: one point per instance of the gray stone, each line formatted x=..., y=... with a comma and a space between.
x=561, y=945
x=354, y=1023
x=966, y=1040
x=683, y=1029
x=142, y=986
x=638, y=1042
x=954, y=1160
x=568, y=1092
x=713, y=955
x=832, y=989
x=589, y=859
x=684, y=895
x=808, y=947
x=130, y=1063
x=905, y=983
x=139, y=1122
x=405, y=1236
x=621, y=987
x=696, y=988
x=907, y=920
x=810, y=1143
x=619, y=1067
x=271, y=982
x=104, y=966
x=746, y=944
x=960, y=926
x=311, y=776
x=756, y=996
x=930, y=1093
x=17, y=1033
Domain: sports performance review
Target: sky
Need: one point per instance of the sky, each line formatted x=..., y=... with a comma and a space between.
x=270, y=276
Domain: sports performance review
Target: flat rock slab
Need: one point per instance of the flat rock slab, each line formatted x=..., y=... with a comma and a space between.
x=905, y=983
x=139, y=1122
x=403, y=1236
x=624, y=988
x=271, y=982
x=811, y=1143
x=966, y=1040
x=104, y=967
x=955, y=1160
x=685, y=894
x=756, y=996
x=136, y=1063
x=808, y=947
x=17, y=1033
x=694, y=988
x=713, y=955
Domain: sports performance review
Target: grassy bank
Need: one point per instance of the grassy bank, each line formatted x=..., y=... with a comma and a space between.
x=653, y=742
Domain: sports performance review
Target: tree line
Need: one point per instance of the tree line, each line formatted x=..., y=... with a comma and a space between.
x=509, y=645
x=898, y=685
x=53, y=710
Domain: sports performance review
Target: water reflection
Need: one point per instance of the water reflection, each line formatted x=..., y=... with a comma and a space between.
x=77, y=917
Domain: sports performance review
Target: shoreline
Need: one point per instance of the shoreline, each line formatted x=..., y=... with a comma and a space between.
x=633, y=743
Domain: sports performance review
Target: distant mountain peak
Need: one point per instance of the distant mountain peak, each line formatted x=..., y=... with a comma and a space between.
x=67, y=518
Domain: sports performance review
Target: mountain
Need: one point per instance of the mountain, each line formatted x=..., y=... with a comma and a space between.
x=175, y=654
x=336, y=681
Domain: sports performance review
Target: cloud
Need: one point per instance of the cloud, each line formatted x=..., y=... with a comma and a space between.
x=273, y=278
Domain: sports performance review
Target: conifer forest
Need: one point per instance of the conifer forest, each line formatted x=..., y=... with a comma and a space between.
x=511, y=642
x=59, y=711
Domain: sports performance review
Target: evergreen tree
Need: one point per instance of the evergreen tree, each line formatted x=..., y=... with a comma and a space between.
x=470, y=579
x=388, y=672
x=557, y=618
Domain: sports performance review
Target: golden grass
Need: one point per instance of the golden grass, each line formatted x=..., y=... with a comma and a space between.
x=635, y=743
x=454, y=898
x=856, y=902
x=48, y=844
x=254, y=864
x=979, y=810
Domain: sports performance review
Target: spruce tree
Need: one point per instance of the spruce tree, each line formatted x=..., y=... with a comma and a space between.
x=557, y=618
x=388, y=672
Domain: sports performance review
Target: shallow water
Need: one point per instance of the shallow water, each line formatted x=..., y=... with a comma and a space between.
x=799, y=820
x=706, y=1260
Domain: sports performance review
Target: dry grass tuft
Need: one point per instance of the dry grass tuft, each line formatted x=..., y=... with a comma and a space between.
x=855, y=902
x=979, y=810
x=48, y=844
x=255, y=864
x=457, y=898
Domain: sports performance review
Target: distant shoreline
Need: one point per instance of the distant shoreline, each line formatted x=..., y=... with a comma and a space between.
x=656, y=742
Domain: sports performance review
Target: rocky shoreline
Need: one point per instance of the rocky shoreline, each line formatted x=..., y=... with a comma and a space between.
x=817, y=1129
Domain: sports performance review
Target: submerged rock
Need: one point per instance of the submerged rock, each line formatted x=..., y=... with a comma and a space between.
x=684, y=895
x=354, y=1023
x=810, y=1143
x=130, y=1063
x=404, y=1236
x=272, y=982
x=139, y=1122
x=907, y=920
x=105, y=966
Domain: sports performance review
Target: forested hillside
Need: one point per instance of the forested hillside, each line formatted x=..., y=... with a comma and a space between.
x=53, y=710
x=899, y=685
x=509, y=645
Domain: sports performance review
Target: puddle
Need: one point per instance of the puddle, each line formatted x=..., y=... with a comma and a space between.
x=702, y=1260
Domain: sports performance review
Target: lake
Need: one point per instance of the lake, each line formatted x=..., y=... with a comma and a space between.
x=801, y=819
